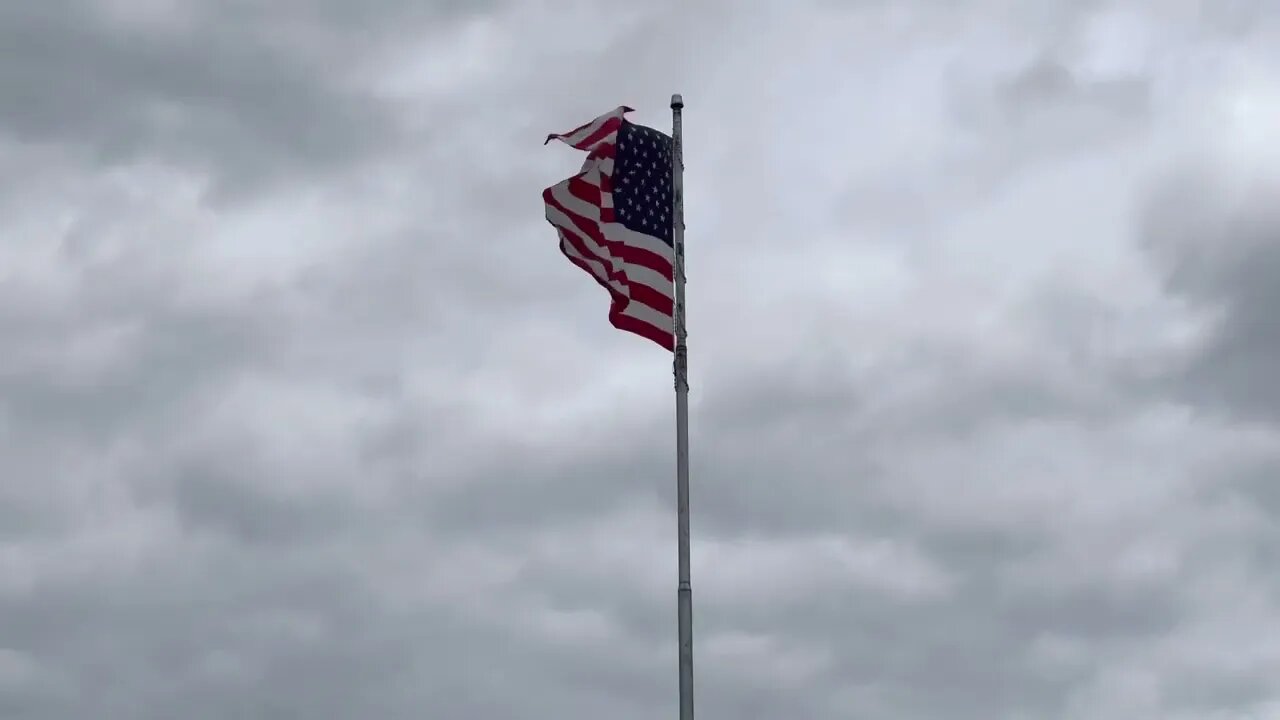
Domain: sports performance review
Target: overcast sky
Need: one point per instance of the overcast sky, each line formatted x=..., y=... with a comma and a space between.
x=303, y=415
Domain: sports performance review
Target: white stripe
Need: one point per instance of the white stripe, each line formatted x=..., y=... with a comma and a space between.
x=601, y=255
x=578, y=207
x=618, y=231
x=592, y=128
x=638, y=273
x=641, y=275
x=635, y=274
x=648, y=315
x=595, y=268
x=611, y=231
x=594, y=168
x=635, y=309
x=587, y=131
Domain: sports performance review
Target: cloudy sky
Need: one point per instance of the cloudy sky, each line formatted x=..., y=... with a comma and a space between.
x=302, y=414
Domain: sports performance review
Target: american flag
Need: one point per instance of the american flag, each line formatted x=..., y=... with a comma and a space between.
x=614, y=220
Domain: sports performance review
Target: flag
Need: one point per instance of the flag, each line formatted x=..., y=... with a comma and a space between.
x=614, y=220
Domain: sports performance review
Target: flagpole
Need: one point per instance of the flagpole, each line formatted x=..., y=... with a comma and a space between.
x=680, y=368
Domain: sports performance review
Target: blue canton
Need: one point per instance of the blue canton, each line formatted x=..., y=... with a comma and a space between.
x=642, y=181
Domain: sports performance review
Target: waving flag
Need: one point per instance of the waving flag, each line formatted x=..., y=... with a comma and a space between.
x=614, y=220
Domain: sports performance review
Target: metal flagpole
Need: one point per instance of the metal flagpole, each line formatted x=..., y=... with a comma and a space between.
x=681, y=372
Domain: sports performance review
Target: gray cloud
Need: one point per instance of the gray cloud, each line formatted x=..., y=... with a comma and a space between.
x=241, y=92
x=981, y=426
x=1214, y=232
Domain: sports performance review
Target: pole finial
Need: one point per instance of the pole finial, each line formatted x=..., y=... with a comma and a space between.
x=677, y=102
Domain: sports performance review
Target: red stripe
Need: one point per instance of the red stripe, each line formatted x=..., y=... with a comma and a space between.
x=558, y=136
x=628, y=254
x=614, y=118
x=652, y=297
x=644, y=258
x=617, y=298
x=586, y=192
x=617, y=312
x=639, y=292
x=590, y=227
x=663, y=336
x=610, y=127
x=584, y=226
x=606, y=265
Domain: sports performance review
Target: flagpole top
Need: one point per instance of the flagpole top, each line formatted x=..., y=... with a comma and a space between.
x=677, y=102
